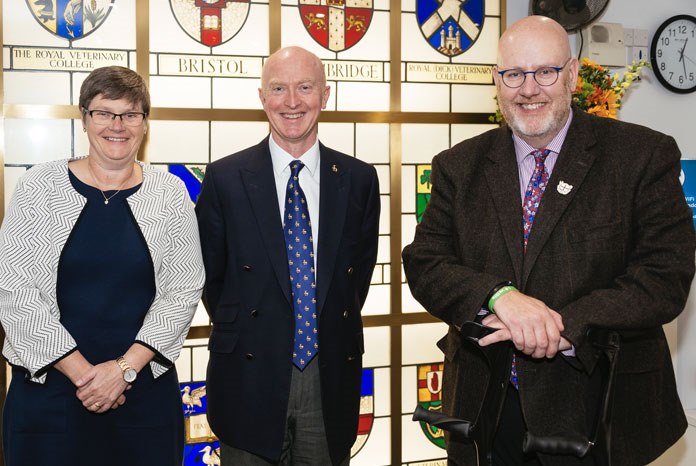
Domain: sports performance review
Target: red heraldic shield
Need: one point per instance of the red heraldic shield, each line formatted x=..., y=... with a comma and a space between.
x=210, y=22
x=336, y=24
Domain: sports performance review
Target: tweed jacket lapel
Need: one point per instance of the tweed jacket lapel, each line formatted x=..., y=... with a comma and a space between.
x=333, y=200
x=574, y=161
x=501, y=175
x=259, y=183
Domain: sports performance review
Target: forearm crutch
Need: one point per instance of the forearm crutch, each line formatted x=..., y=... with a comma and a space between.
x=482, y=430
x=598, y=443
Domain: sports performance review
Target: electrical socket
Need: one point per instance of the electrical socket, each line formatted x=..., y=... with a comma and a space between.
x=640, y=37
x=639, y=53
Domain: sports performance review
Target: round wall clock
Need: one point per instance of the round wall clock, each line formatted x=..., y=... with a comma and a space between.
x=673, y=54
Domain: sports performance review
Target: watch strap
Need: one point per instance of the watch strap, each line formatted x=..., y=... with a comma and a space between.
x=123, y=364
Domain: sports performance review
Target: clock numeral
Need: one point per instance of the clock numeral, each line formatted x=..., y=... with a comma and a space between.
x=681, y=29
x=659, y=53
x=664, y=40
x=662, y=66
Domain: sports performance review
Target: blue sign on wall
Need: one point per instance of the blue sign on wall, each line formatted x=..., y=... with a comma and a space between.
x=688, y=181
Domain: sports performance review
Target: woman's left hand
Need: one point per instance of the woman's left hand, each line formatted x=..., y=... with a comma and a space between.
x=102, y=387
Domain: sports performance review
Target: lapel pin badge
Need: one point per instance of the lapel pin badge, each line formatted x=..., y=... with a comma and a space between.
x=334, y=168
x=564, y=188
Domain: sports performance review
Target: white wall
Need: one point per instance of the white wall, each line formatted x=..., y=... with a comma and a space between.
x=648, y=103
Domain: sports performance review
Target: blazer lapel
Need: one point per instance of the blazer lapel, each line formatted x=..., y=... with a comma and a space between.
x=574, y=161
x=502, y=176
x=333, y=204
x=259, y=183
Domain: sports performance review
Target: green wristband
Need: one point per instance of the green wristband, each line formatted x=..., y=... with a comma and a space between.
x=499, y=294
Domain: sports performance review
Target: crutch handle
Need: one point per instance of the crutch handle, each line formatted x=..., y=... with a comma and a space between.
x=563, y=444
x=442, y=421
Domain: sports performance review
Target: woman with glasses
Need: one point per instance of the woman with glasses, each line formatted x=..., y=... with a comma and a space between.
x=100, y=274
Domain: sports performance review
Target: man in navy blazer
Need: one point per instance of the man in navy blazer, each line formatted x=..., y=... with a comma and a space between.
x=264, y=408
x=611, y=246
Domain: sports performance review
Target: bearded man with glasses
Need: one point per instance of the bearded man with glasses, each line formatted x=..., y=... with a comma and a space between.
x=546, y=229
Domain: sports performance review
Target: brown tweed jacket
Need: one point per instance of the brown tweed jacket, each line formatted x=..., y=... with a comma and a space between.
x=617, y=251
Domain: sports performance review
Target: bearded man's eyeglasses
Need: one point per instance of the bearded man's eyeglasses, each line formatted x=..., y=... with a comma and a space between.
x=544, y=76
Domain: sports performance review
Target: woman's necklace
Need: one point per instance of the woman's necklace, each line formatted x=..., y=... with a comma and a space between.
x=107, y=198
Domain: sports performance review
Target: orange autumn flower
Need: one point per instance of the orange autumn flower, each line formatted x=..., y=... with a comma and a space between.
x=600, y=93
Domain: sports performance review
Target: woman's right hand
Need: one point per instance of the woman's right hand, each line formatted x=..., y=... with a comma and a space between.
x=73, y=366
x=78, y=370
x=102, y=387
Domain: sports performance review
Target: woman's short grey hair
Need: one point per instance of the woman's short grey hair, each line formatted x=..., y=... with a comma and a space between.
x=115, y=82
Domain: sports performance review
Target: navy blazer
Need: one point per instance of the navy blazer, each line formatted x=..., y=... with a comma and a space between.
x=614, y=249
x=247, y=295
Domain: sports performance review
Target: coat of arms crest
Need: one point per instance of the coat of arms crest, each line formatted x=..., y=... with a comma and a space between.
x=450, y=26
x=70, y=19
x=367, y=410
x=336, y=24
x=211, y=22
x=430, y=397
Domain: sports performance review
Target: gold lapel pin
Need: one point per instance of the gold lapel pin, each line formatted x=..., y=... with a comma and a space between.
x=334, y=168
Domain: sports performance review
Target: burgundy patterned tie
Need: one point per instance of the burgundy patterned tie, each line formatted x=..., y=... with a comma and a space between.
x=532, y=198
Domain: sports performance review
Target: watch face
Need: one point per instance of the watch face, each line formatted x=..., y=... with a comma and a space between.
x=130, y=375
x=673, y=54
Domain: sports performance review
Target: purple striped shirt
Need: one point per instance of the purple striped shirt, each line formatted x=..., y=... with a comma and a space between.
x=525, y=160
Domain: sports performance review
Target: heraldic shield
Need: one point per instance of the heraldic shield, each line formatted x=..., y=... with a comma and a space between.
x=367, y=410
x=202, y=446
x=210, y=22
x=430, y=398
x=450, y=26
x=70, y=19
x=336, y=24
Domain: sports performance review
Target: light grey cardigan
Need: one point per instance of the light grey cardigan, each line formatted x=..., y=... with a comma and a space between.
x=40, y=217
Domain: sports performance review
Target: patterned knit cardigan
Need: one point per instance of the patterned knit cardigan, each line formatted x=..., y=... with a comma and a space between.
x=40, y=217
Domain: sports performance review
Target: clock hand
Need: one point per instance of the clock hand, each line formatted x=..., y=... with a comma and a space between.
x=687, y=57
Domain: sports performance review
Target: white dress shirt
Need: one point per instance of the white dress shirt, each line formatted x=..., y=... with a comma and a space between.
x=309, y=182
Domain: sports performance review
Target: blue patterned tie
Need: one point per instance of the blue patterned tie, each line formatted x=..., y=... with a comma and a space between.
x=530, y=205
x=300, y=249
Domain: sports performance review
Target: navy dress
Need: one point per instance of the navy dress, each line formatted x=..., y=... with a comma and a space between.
x=105, y=287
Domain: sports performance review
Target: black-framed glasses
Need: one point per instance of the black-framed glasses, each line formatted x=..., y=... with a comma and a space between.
x=544, y=76
x=103, y=118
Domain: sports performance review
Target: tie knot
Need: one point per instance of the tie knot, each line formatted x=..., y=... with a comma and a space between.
x=540, y=156
x=295, y=167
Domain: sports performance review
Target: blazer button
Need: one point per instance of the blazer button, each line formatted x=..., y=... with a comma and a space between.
x=345, y=314
x=349, y=271
x=249, y=356
x=351, y=358
x=254, y=313
x=247, y=268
